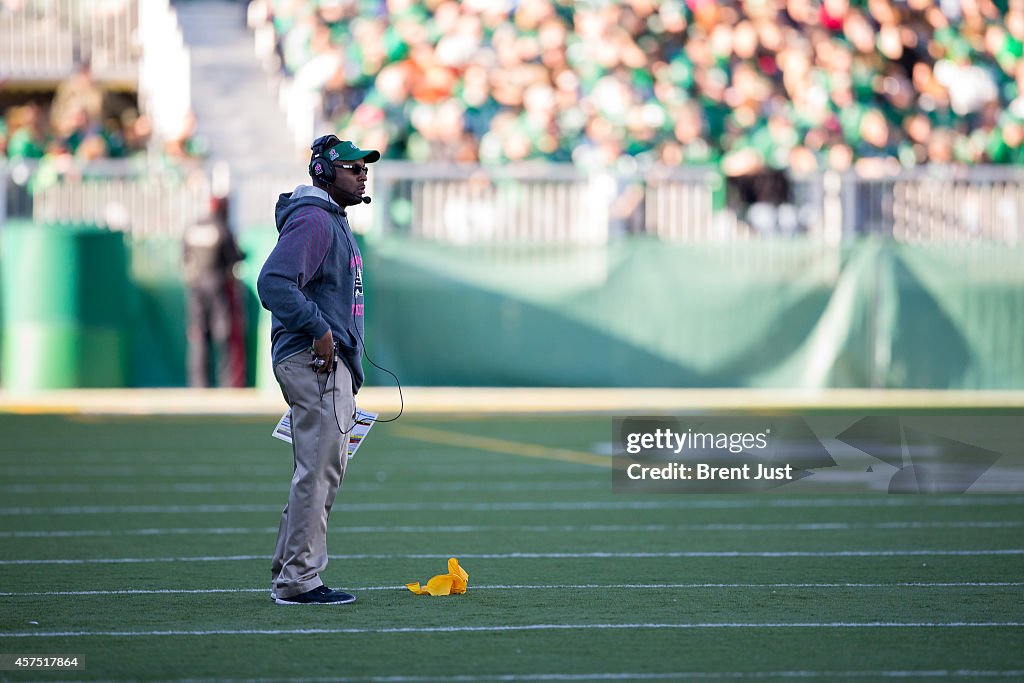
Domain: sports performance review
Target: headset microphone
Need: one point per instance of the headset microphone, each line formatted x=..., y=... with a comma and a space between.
x=358, y=197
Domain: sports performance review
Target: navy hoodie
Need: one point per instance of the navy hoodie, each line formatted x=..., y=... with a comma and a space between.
x=313, y=280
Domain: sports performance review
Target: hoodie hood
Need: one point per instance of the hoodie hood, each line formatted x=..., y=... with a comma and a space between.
x=303, y=195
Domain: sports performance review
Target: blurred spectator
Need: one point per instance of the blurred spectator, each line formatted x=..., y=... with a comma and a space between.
x=77, y=107
x=56, y=165
x=215, y=325
x=28, y=134
x=1007, y=145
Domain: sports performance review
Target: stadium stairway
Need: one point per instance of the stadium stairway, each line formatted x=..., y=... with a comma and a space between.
x=236, y=110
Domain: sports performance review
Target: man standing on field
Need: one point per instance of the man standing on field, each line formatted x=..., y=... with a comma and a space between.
x=312, y=283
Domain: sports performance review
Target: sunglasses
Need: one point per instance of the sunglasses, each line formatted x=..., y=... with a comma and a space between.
x=356, y=169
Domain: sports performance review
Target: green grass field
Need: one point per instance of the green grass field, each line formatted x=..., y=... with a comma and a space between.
x=143, y=544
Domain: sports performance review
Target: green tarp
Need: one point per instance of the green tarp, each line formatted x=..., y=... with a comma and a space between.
x=786, y=314
x=791, y=314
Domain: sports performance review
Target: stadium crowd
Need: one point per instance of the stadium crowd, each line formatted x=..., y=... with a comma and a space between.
x=748, y=85
x=82, y=123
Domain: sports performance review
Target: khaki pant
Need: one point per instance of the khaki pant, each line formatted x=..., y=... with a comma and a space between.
x=319, y=403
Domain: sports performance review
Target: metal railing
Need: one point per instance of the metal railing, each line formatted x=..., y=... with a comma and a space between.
x=119, y=194
x=556, y=204
x=678, y=205
x=553, y=204
x=471, y=204
x=956, y=205
x=143, y=208
x=43, y=39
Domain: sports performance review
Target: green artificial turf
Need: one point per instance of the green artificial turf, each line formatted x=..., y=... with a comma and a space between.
x=568, y=581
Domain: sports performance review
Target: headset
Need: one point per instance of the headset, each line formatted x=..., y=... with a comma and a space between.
x=321, y=168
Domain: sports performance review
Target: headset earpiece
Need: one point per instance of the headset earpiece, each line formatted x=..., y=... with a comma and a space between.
x=321, y=168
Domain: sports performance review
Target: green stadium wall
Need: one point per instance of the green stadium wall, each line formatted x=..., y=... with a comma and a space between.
x=785, y=314
x=65, y=309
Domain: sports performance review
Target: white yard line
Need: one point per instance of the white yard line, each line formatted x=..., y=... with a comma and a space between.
x=136, y=470
x=282, y=486
x=564, y=586
x=522, y=627
x=542, y=556
x=174, y=531
x=631, y=676
x=680, y=504
x=159, y=468
x=568, y=528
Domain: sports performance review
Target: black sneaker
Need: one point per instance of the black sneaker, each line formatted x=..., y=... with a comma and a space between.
x=318, y=596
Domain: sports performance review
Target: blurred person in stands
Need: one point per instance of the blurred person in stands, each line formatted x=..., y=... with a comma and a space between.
x=213, y=307
x=78, y=103
x=312, y=283
x=941, y=146
x=55, y=166
x=28, y=134
x=136, y=129
x=877, y=151
x=917, y=131
x=1006, y=145
x=74, y=127
x=114, y=138
x=92, y=148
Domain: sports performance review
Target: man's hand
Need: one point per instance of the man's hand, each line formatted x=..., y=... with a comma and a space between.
x=323, y=349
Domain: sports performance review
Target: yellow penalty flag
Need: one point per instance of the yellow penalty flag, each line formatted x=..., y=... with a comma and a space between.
x=454, y=582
